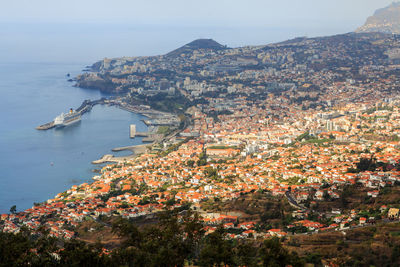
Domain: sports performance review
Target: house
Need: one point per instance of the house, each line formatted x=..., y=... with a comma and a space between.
x=222, y=153
x=276, y=232
x=336, y=211
x=338, y=219
x=363, y=220
x=301, y=196
x=343, y=225
x=319, y=195
x=228, y=225
x=383, y=208
x=248, y=233
x=374, y=193
x=353, y=213
x=393, y=213
x=247, y=225
x=333, y=194
x=298, y=214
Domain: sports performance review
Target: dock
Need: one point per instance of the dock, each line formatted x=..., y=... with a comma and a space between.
x=142, y=134
x=132, y=131
x=135, y=148
x=104, y=159
x=148, y=139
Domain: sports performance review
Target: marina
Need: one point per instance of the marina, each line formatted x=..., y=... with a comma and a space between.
x=154, y=117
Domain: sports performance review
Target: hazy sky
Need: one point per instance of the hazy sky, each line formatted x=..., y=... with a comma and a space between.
x=88, y=30
x=192, y=12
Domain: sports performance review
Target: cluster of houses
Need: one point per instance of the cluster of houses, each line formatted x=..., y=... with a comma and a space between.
x=244, y=152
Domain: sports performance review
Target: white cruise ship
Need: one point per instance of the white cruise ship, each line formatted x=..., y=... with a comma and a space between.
x=67, y=119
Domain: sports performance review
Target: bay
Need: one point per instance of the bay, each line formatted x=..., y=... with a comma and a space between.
x=36, y=165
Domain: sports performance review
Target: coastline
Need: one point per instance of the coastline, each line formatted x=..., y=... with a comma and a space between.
x=42, y=187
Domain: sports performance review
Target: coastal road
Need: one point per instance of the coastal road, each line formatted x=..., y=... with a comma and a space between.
x=293, y=201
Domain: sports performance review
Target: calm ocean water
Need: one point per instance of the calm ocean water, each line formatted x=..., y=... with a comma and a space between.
x=36, y=165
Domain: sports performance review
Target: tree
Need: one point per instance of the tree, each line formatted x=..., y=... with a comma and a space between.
x=169, y=243
x=14, y=248
x=190, y=163
x=78, y=253
x=177, y=239
x=326, y=196
x=274, y=254
x=13, y=209
x=216, y=250
x=202, y=159
x=193, y=229
x=126, y=229
x=246, y=254
x=210, y=172
x=366, y=164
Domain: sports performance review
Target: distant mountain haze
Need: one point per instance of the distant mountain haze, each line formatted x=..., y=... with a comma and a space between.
x=58, y=31
x=385, y=20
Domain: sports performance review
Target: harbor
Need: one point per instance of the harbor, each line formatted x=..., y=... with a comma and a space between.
x=154, y=120
x=159, y=123
x=154, y=117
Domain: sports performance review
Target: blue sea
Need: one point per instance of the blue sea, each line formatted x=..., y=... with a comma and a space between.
x=36, y=165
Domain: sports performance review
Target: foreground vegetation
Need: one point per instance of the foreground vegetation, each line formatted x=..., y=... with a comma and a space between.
x=173, y=241
x=178, y=238
x=181, y=241
x=375, y=245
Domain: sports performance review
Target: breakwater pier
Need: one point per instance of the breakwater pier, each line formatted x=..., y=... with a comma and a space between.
x=132, y=131
x=46, y=126
x=136, y=150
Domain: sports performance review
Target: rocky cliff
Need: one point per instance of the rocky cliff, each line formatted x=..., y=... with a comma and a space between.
x=385, y=20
